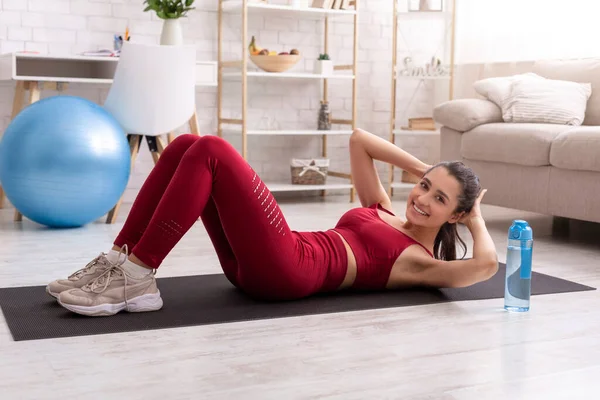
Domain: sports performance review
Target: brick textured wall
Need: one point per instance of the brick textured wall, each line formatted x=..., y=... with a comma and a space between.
x=73, y=26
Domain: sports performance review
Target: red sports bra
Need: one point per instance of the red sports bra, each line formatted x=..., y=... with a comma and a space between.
x=375, y=243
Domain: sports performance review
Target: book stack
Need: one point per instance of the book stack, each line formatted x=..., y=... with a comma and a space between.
x=409, y=178
x=420, y=124
x=333, y=4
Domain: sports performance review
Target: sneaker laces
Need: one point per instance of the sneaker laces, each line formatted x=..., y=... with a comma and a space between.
x=101, y=259
x=115, y=270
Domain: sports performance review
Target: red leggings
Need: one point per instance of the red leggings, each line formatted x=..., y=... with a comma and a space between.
x=206, y=177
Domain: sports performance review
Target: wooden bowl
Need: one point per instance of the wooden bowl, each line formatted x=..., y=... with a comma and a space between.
x=278, y=63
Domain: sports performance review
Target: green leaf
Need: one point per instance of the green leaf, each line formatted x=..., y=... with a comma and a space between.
x=169, y=9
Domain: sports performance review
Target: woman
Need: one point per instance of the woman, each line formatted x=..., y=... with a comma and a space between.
x=370, y=247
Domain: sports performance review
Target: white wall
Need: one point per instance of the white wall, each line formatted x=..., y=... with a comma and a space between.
x=509, y=30
x=67, y=27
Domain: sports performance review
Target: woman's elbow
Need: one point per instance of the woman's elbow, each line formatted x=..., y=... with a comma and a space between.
x=484, y=271
x=489, y=269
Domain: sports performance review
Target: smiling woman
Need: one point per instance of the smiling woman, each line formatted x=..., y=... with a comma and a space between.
x=448, y=193
x=369, y=248
x=463, y=188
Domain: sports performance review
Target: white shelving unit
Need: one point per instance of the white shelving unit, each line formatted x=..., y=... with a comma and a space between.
x=302, y=132
x=283, y=10
x=288, y=187
x=237, y=70
x=402, y=15
x=297, y=75
x=424, y=78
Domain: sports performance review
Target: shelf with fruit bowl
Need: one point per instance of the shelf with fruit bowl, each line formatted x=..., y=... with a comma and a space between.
x=297, y=75
x=237, y=6
x=276, y=65
x=289, y=132
x=257, y=62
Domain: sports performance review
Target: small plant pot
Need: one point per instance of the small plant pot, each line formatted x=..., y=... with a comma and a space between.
x=324, y=67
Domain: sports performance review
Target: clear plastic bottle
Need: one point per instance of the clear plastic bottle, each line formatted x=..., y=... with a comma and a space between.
x=517, y=287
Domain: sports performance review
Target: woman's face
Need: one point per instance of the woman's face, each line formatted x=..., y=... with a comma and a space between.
x=431, y=203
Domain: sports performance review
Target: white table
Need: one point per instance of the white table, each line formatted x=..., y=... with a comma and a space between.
x=78, y=69
x=37, y=72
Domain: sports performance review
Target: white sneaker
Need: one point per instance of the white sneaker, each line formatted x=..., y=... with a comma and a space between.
x=113, y=291
x=91, y=271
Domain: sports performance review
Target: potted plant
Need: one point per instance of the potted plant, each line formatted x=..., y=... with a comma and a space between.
x=324, y=65
x=170, y=11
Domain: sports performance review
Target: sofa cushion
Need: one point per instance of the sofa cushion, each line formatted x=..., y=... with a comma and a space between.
x=497, y=89
x=577, y=149
x=546, y=101
x=465, y=114
x=582, y=71
x=514, y=143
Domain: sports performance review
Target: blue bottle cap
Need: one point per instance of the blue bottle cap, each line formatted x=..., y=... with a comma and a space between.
x=520, y=230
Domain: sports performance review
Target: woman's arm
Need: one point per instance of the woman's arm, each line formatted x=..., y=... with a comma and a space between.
x=383, y=150
x=364, y=149
x=418, y=268
x=484, y=249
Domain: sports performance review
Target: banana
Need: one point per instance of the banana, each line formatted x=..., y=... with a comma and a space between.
x=253, y=48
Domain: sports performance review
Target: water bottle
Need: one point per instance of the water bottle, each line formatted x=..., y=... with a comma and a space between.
x=517, y=286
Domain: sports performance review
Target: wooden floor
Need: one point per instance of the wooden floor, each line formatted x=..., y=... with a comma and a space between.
x=459, y=351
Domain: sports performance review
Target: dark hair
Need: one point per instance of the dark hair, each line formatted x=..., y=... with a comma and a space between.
x=444, y=247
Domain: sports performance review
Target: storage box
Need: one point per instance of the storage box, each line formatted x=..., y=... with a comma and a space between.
x=309, y=171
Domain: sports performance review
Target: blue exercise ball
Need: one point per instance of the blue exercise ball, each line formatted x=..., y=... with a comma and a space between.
x=64, y=161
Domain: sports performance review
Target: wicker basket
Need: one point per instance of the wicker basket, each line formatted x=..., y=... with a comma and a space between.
x=309, y=172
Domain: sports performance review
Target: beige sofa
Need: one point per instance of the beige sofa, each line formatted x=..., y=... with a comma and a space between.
x=543, y=168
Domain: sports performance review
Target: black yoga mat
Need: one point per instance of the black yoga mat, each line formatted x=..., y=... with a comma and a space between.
x=210, y=299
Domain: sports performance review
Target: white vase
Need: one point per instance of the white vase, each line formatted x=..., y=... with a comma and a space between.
x=324, y=67
x=172, y=34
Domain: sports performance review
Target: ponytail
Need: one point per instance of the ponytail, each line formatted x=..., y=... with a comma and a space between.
x=444, y=247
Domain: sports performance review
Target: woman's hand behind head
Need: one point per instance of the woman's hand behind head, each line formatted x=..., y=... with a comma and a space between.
x=475, y=212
